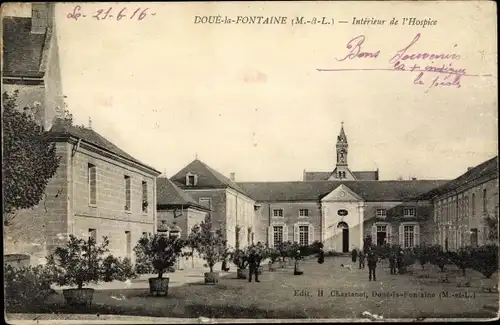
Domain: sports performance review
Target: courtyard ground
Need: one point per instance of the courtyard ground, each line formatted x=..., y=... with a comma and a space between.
x=323, y=291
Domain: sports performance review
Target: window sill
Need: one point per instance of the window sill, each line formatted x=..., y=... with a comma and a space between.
x=303, y=217
x=92, y=205
x=128, y=211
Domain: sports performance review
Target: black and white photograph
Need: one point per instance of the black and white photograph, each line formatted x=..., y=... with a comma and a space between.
x=263, y=162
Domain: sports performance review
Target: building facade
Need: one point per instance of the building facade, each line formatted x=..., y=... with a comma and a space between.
x=31, y=64
x=461, y=206
x=341, y=213
x=98, y=190
x=230, y=207
x=339, y=208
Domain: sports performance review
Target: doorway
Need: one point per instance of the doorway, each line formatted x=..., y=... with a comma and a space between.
x=345, y=236
x=345, y=240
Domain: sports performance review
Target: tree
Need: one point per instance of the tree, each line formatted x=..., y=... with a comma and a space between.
x=159, y=252
x=211, y=242
x=29, y=159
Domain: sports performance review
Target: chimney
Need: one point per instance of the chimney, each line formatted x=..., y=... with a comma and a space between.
x=90, y=123
x=39, y=17
x=232, y=176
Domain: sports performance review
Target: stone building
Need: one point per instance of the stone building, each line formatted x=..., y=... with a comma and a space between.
x=460, y=207
x=98, y=190
x=338, y=208
x=341, y=213
x=229, y=204
x=177, y=211
x=31, y=63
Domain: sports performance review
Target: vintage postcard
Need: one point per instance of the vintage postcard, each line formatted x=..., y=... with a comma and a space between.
x=216, y=162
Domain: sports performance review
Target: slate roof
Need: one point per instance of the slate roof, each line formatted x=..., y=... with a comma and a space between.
x=486, y=169
x=169, y=194
x=207, y=177
x=61, y=129
x=366, y=175
x=323, y=176
x=316, y=190
x=22, y=50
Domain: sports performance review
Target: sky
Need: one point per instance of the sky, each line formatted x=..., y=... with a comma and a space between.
x=248, y=98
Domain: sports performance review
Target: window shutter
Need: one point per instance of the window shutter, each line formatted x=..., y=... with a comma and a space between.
x=389, y=234
x=311, y=234
x=285, y=233
x=270, y=236
x=401, y=236
x=295, y=233
x=417, y=234
x=374, y=234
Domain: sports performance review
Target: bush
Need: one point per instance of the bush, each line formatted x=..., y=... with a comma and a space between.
x=27, y=286
x=115, y=268
x=240, y=258
x=273, y=254
x=80, y=262
x=485, y=260
x=438, y=257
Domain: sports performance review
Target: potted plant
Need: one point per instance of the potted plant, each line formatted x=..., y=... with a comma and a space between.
x=160, y=253
x=81, y=262
x=240, y=259
x=211, y=246
x=273, y=254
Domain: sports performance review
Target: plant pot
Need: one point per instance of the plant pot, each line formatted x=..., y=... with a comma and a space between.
x=211, y=277
x=272, y=267
x=158, y=287
x=79, y=297
x=242, y=273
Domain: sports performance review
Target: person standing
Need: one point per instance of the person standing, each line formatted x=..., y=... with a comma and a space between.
x=372, y=265
x=392, y=262
x=354, y=255
x=253, y=266
x=361, y=260
x=297, y=270
x=399, y=262
x=321, y=256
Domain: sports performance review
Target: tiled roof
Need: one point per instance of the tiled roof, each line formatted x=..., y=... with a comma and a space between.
x=323, y=176
x=315, y=190
x=207, y=177
x=22, y=50
x=61, y=129
x=488, y=168
x=316, y=176
x=366, y=175
x=167, y=193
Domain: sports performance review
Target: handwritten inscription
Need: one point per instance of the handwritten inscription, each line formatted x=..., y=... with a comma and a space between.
x=354, y=47
x=402, y=54
x=111, y=13
x=430, y=70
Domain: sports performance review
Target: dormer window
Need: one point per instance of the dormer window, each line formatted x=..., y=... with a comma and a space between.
x=191, y=179
x=409, y=212
x=381, y=213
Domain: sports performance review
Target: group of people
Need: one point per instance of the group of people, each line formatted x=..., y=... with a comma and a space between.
x=396, y=261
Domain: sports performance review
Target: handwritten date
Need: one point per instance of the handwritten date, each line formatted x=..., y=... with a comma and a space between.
x=111, y=13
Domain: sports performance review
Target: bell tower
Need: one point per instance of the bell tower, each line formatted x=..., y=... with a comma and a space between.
x=342, y=147
x=341, y=171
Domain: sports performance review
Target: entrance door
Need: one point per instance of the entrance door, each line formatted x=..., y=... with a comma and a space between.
x=345, y=240
x=345, y=236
